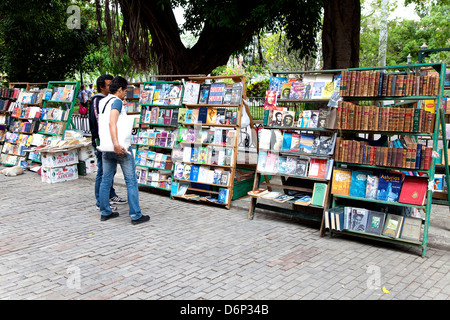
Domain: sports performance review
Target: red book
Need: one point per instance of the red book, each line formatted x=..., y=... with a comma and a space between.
x=414, y=190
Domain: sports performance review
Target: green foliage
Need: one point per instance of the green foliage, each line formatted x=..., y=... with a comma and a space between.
x=258, y=89
x=36, y=44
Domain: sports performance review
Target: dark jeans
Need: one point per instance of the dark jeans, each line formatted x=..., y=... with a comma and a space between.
x=98, y=179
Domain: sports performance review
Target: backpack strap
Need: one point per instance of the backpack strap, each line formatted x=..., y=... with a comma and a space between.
x=107, y=103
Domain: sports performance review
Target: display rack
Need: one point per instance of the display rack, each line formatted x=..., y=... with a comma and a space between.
x=402, y=217
x=305, y=180
x=23, y=114
x=215, y=180
x=155, y=137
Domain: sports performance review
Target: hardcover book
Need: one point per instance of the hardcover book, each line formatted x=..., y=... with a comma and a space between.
x=414, y=190
x=392, y=225
x=359, y=219
x=358, y=184
x=411, y=229
x=319, y=194
x=341, y=181
x=375, y=222
x=389, y=186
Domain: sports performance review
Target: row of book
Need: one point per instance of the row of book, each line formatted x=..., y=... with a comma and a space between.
x=19, y=138
x=153, y=159
x=9, y=159
x=157, y=93
x=133, y=107
x=51, y=127
x=373, y=222
x=55, y=114
x=8, y=105
x=179, y=189
x=283, y=117
x=217, y=136
x=384, y=186
x=401, y=153
x=351, y=116
x=31, y=97
x=157, y=138
x=14, y=149
x=157, y=179
x=303, y=142
x=26, y=113
x=370, y=83
x=274, y=163
x=214, y=155
x=11, y=93
x=22, y=126
x=213, y=93
x=65, y=93
x=319, y=86
x=317, y=198
x=201, y=174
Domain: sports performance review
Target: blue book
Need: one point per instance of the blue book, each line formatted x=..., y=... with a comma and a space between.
x=282, y=164
x=389, y=186
x=223, y=196
x=216, y=93
x=202, y=114
x=174, y=188
x=194, y=173
x=287, y=140
x=188, y=116
x=358, y=184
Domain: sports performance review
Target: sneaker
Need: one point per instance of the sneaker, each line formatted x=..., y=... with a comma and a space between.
x=117, y=200
x=140, y=220
x=113, y=208
x=113, y=214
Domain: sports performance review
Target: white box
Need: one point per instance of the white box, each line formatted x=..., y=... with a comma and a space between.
x=91, y=165
x=59, y=174
x=59, y=159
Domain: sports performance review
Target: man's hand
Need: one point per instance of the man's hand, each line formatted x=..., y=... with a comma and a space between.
x=118, y=149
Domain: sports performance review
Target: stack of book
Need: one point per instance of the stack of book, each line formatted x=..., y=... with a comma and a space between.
x=373, y=222
x=393, y=187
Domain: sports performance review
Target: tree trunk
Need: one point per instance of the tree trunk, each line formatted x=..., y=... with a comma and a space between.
x=340, y=35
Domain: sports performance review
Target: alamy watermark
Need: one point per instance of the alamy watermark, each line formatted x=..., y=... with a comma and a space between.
x=74, y=20
x=74, y=279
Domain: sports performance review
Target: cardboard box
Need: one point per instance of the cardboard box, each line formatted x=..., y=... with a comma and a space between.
x=59, y=174
x=87, y=166
x=59, y=159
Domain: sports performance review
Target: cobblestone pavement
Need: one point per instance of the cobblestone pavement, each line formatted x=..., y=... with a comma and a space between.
x=54, y=246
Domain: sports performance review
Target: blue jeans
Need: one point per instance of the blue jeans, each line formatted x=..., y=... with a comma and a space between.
x=98, y=179
x=110, y=161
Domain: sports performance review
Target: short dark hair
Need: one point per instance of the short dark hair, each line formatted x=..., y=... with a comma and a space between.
x=117, y=83
x=101, y=81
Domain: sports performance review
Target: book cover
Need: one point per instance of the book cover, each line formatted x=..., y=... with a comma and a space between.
x=216, y=93
x=413, y=190
x=188, y=116
x=186, y=171
x=223, y=195
x=281, y=164
x=227, y=94
x=204, y=93
x=262, y=155
x=411, y=228
x=212, y=116
x=295, y=143
x=389, y=186
x=191, y=93
x=358, y=184
x=301, y=168
x=306, y=142
x=285, y=90
x=236, y=93
x=375, y=222
x=306, y=115
x=277, y=117
x=276, y=140
x=297, y=90
x=276, y=84
x=314, y=119
x=271, y=160
x=325, y=143
x=317, y=168
x=371, y=186
x=202, y=114
x=181, y=114
x=288, y=118
x=317, y=89
x=392, y=225
x=283, y=198
x=220, y=117
x=359, y=219
x=194, y=173
x=291, y=165
x=319, y=194
x=287, y=141
x=341, y=181
x=270, y=101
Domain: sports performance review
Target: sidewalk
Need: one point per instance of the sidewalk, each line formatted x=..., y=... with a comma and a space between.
x=54, y=246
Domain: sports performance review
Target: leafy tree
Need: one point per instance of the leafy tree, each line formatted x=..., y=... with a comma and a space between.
x=36, y=44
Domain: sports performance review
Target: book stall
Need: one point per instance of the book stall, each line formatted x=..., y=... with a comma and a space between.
x=354, y=150
x=382, y=179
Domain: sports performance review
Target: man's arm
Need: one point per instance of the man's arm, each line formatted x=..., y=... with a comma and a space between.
x=114, y=116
